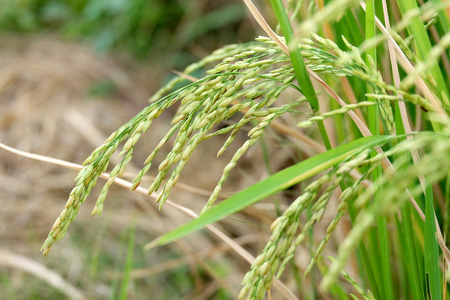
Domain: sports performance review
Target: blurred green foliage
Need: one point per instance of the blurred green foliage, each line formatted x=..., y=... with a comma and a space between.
x=141, y=27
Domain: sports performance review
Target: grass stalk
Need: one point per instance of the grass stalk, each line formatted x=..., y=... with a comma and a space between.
x=431, y=248
x=410, y=251
x=367, y=262
x=296, y=56
x=128, y=263
x=385, y=275
x=299, y=67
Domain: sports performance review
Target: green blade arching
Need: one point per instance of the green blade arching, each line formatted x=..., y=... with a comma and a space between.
x=271, y=185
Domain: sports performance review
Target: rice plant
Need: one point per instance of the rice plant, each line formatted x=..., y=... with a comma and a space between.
x=339, y=63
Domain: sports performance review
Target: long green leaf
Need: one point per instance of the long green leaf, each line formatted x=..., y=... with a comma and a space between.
x=431, y=247
x=271, y=185
x=128, y=263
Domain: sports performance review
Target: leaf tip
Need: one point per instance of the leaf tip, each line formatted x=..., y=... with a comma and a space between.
x=153, y=244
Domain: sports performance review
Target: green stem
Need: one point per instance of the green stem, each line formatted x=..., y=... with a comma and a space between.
x=296, y=56
x=416, y=286
x=432, y=268
x=323, y=133
x=299, y=67
x=365, y=256
x=385, y=275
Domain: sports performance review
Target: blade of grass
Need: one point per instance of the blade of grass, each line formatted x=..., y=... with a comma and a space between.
x=447, y=208
x=97, y=247
x=128, y=263
x=365, y=256
x=275, y=183
x=296, y=56
x=385, y=263
x=403, y=265
x=431, y=248
x=384, y=278
x=410, y=250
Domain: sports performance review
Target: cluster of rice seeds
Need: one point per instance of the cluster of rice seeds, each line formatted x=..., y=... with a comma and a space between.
x=272, y=260
x=333, y=113
x=413, y=98
x=142, y=124
x=320, y=60
x=264, y=118
x=233, y=85
x=86, y=180
x=345, y=197
x=96, y=164
x=351, y=64
x=198, y=115
x=211, y=101
x=434, y=166
x=334, y=178
x=317, y=59
x=348, y=64
x=403, y=147
x=260, y=277
x=381, y=87
x=180, y=157
x=172, y=158
x=352, y=162
x=428, y=14
x=356, y=66
x=323, y=55
x=217, y=55
x=318, y=210
x=185, y=132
